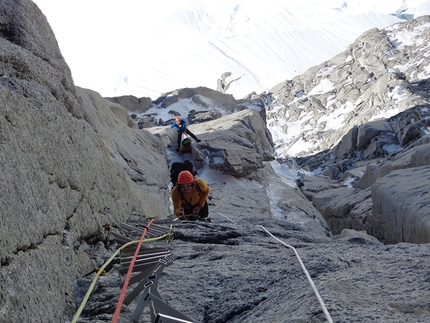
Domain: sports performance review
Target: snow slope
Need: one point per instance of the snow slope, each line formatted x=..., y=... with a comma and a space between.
x=145, y=48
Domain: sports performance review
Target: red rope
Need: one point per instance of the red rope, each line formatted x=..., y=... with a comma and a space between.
x=127, y=278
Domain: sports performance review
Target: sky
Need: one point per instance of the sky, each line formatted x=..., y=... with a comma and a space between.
x=147, y=48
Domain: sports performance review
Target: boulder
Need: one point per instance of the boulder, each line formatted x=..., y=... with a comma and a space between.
x=375, y=169
x=311, y=185
x=236, y=144
x=203, y=116
x=401, y=206
x=347, y=145
x=132, y=103
x=420, y=156
x=370, y=130
x=227, y=101
x=344, y=207
x=357, y=237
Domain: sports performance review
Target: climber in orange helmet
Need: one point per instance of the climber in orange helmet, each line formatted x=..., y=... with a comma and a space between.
x=189, y=197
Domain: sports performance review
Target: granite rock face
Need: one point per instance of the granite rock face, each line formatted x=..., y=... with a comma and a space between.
x=376, y=76
x=231, y=270
x=75, y=166
x=378, y=95
x=65, y=171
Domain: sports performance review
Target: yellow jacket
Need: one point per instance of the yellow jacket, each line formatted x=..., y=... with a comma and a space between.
x=191, y=200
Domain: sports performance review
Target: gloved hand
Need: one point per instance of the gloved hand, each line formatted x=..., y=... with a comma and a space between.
x=181, y=211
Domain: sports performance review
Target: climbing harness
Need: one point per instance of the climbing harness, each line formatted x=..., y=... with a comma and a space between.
x=326, y=313
x=194, y=217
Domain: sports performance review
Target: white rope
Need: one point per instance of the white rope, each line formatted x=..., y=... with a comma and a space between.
x=326, y=313
x=222, y=200
x=225, y=194
x=227, y=217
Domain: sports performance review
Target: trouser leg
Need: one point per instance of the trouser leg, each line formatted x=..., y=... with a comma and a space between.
x=204, y=211
x=179, y=139
x=192, y=135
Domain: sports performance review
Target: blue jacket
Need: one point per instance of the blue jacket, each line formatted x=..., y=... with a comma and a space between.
x=180, y=128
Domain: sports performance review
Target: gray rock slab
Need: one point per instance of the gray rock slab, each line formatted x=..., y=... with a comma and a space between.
x=406, y=218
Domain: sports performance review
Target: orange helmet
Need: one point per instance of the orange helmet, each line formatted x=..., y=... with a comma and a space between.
x=178, y=118
x=185, y=177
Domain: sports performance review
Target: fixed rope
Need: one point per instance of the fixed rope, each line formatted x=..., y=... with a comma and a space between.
x=326, y=313
x=227, y=217
x=130, y=270
x=225, y=194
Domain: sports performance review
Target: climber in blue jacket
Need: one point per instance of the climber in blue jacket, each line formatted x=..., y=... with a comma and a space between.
x=181, y=127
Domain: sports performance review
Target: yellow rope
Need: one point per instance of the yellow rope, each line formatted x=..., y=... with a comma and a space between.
x=168, y=236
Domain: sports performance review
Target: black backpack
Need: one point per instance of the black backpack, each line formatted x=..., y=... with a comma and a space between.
x=178, y=167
